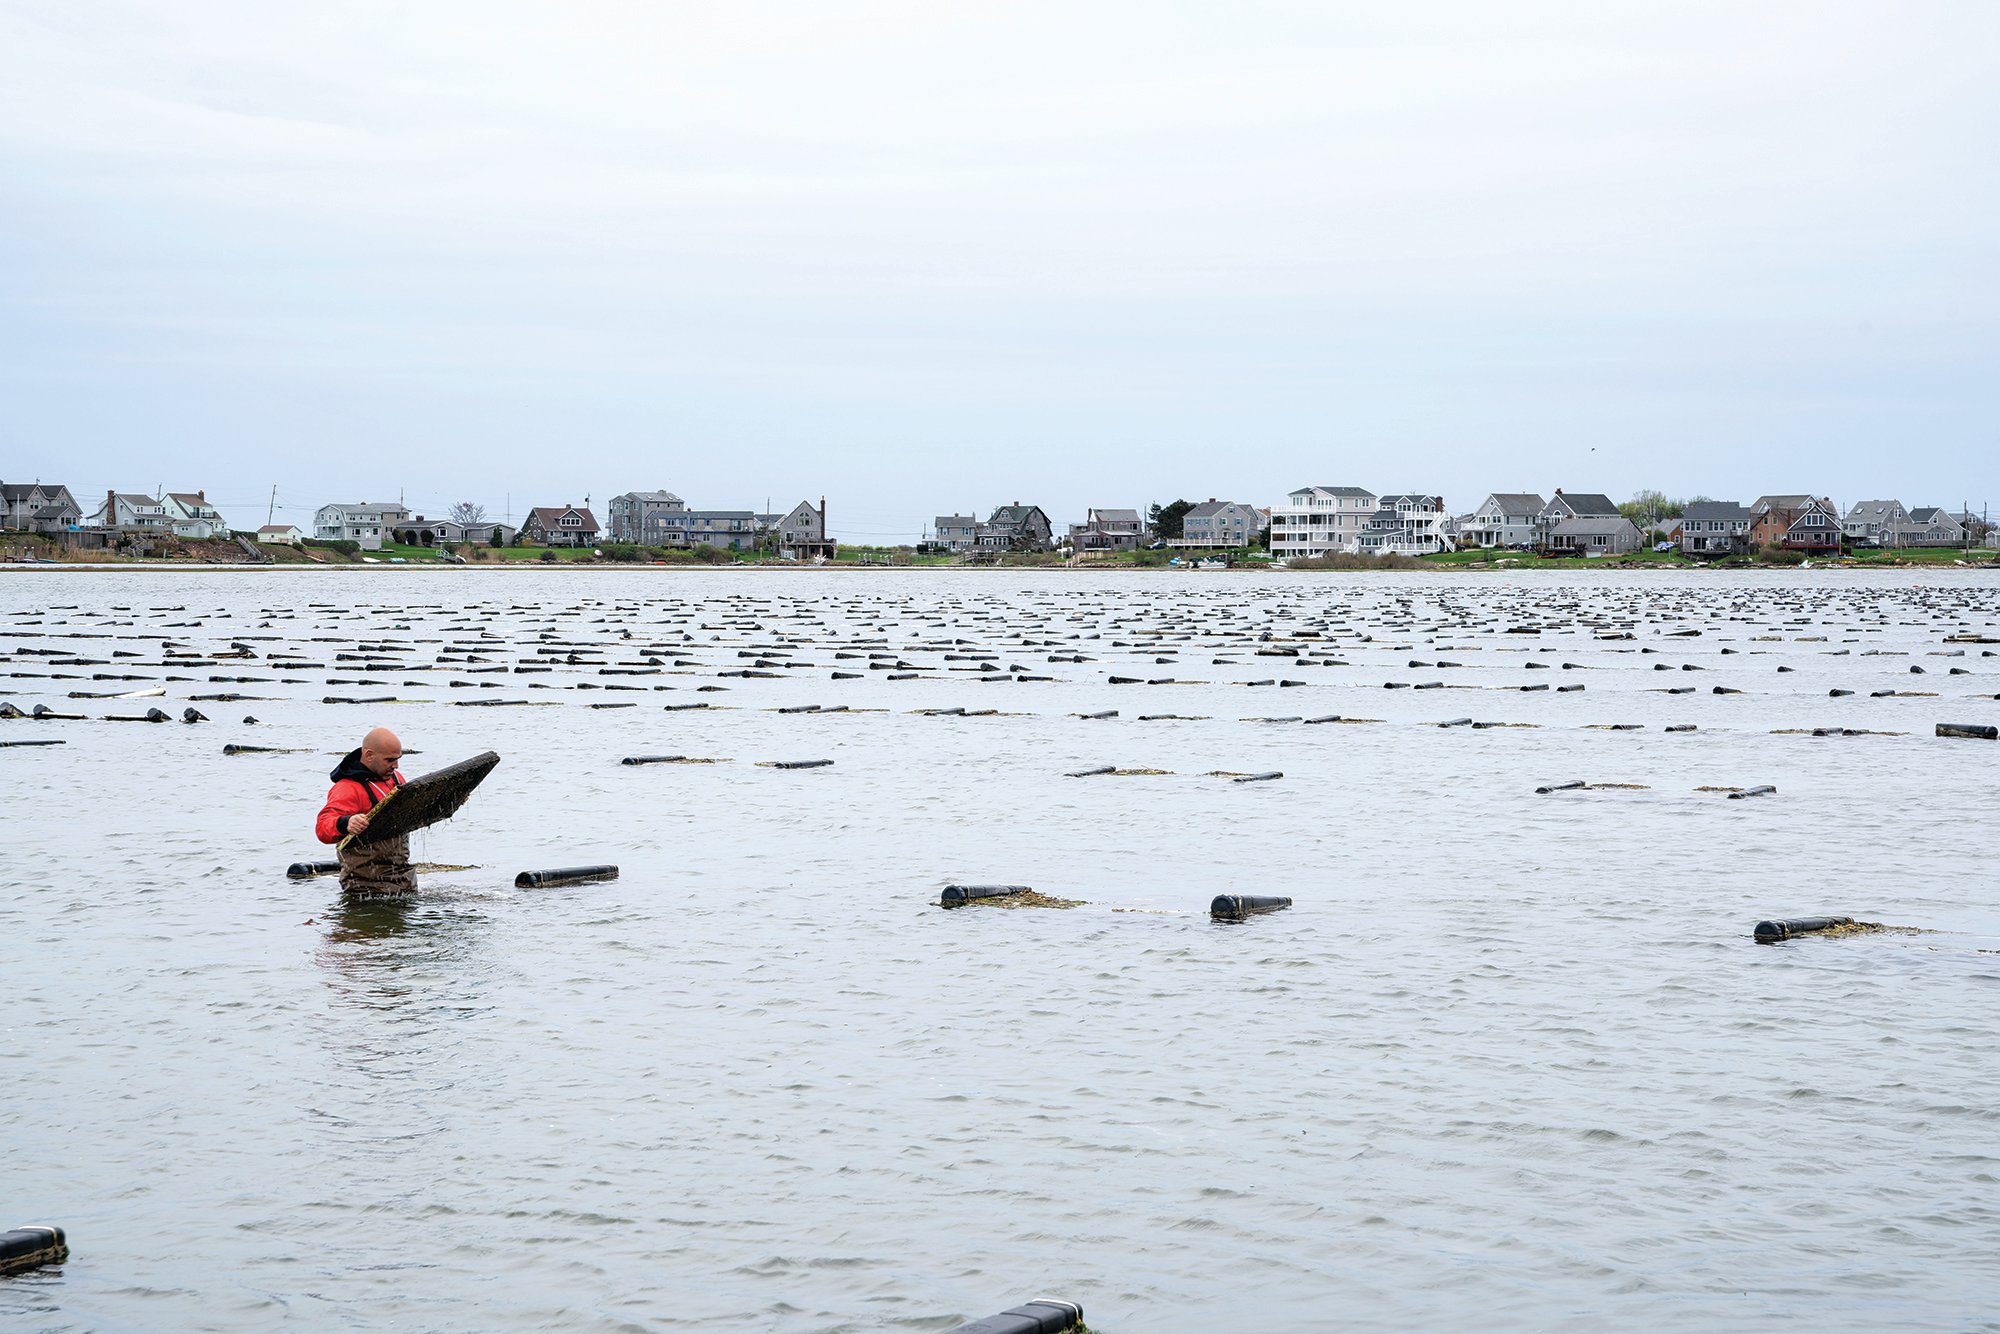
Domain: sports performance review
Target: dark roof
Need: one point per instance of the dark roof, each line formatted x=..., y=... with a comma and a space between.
x=1013, y=513
x=1515, y=501
x=546, y=515
x=1587, y=502
x=1717, y=509
x=1361, y=492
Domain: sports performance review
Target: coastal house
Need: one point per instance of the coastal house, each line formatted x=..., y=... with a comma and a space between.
x=560, y=526
x=1217, y=525
x=1107, y=530
x=190, y=515
x=1015, y=527
x=1978, y=529
x=650, y=518
x=1875, y=523
x=1711, y=528
x=128, y=512
x=800, y=532
x=1318, y=520
x=956, y=533
x=736, y=530
x=1931, y=526
x=363, y=524
x=485, y=533
x=1592, y=535
x=1565, y=505
x=1503, y=519
x=281, y=534
x=1577, y=505
x=1410, y=524
x=38, y=507
x=1797, y=523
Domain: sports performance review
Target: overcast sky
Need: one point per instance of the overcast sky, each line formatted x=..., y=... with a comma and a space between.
x=934, y=256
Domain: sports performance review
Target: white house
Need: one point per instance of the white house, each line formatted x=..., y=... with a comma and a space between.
x=281, y=534
x=130, y=513
x=362, y=524
x=190, y=515
x=1317, y=520
x=1412, y=524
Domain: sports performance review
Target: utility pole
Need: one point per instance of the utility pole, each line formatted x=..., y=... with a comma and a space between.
x=271, y=510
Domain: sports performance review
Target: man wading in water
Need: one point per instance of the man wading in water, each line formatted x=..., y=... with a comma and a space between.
x=360, y=780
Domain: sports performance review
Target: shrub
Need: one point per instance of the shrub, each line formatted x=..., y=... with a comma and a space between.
x=547, y=554
x=340, y=544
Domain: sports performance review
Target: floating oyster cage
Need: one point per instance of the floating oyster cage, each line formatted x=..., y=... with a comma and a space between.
x=424, y=801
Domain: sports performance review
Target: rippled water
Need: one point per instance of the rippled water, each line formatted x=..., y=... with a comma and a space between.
x=1510, y=1062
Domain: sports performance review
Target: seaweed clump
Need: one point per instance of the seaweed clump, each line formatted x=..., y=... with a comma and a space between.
x=1026, y=898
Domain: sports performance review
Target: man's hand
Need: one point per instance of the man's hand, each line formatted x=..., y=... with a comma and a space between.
x=357, y=824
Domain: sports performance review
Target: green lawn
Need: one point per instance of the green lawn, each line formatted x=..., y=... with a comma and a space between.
x=1920, y=555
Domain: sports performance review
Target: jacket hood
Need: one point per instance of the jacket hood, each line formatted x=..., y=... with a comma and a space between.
x=350, y=766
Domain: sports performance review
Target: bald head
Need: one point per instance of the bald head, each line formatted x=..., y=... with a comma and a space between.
x=380, y=751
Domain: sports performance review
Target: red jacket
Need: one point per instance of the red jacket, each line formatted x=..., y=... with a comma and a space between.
x=356, y=789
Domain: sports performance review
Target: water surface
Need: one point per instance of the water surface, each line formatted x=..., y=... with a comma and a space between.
x=1511, y=1061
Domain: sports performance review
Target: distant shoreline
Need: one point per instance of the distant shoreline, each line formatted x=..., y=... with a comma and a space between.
x=1602, y=567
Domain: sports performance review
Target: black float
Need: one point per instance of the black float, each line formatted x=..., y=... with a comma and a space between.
x=1236, y=907
x=955, y=896
x=1784, y=928
x=1977, y=731
x=29, y=1247
x=1041, y=1316
x=564, y=875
